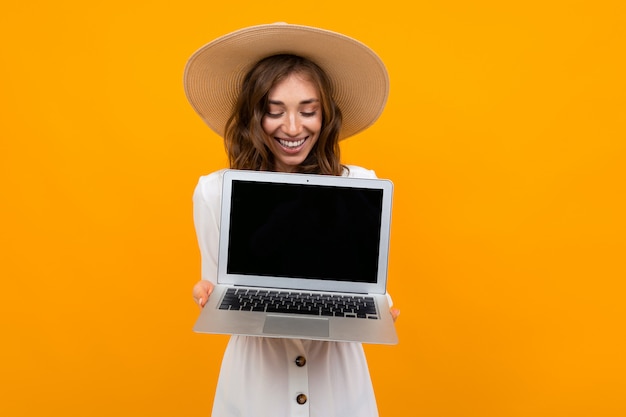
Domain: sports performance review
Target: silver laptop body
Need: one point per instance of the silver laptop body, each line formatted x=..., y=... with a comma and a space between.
x=322, y=239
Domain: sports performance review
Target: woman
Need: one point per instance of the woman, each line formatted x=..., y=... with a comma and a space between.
x=282, y=96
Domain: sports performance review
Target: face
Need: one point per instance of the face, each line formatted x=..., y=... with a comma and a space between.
x=293, y=121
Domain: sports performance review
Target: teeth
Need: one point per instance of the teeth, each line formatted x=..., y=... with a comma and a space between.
x=291, y=143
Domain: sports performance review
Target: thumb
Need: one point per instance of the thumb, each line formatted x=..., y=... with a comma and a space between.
x=394, y=313
x=201, y=292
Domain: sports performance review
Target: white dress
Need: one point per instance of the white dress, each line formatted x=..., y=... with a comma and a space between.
x=259, y=376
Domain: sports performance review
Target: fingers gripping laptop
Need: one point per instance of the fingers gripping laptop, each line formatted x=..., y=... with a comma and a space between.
x=302, y=256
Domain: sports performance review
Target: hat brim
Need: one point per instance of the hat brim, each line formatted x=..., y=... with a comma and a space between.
x=214, y=73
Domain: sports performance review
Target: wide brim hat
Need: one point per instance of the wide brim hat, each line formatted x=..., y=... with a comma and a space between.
x=214, y=73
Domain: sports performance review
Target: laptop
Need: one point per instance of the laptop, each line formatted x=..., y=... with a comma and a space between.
x=302, y=256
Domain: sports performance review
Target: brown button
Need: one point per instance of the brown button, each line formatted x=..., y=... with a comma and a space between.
x=301, y=399
x=300, y=361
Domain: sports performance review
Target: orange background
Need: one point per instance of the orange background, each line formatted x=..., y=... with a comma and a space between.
x=505, y=135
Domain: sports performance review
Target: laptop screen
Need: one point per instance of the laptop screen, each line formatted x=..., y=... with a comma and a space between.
x=304, y=231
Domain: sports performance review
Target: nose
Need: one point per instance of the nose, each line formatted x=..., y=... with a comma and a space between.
x=293, y=126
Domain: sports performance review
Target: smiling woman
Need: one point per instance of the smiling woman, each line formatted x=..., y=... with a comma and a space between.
x=286, y=117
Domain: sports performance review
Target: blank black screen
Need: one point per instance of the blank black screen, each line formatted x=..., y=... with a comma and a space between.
x=304, y=231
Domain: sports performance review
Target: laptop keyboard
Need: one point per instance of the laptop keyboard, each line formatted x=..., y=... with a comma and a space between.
x=297, y=302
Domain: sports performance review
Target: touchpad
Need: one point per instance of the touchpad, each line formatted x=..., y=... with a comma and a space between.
x=297, y=326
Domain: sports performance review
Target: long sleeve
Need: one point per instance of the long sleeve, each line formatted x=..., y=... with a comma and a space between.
x=206, y=217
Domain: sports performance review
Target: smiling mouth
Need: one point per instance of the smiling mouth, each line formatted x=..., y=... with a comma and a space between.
x=291, y=144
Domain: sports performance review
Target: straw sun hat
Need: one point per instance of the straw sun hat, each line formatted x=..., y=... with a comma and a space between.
x=214, y=73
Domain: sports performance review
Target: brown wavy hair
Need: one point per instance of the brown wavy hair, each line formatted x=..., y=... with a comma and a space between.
x=245, y=140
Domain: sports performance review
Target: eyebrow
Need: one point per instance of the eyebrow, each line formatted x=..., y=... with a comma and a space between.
x=280, y=103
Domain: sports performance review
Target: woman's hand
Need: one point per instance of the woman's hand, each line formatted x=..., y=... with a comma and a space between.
x=201, y=292
x=394, y=313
